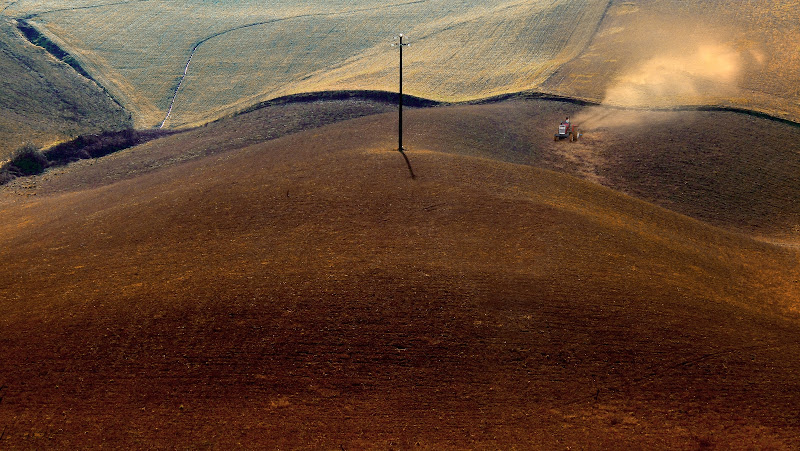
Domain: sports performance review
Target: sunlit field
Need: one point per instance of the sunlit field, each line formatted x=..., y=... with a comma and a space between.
x=244, y=52
x=667, y=53
x=280, y=276
x=44, y=101
x=179, y=63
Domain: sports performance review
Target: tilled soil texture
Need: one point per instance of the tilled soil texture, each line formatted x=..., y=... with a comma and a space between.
x=729, y=169
x=306, y=292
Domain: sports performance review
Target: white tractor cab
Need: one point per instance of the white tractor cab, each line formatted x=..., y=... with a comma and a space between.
x=566, y=130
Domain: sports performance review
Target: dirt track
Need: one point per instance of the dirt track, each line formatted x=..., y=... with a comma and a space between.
x=304, y=291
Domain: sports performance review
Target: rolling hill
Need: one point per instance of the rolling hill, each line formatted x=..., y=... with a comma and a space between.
x=223, y=57
x=736, y=171
x=277, y=278
x=42, y=100
x=185, y=63
x=241, y=285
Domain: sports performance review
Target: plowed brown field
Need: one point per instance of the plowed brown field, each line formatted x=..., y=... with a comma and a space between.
x=219, y=288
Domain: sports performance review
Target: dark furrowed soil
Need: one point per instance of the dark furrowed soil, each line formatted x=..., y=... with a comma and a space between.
x=305, y=292
x=731, y=170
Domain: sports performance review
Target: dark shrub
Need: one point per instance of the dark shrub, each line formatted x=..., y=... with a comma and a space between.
x=27, y=160
x=96, y=146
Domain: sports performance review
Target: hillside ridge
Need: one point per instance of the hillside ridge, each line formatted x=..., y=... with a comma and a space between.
x=415, y=101
x=44, y=99
x=307, y=284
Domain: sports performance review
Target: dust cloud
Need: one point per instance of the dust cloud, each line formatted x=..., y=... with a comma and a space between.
x=601, y=117
x=669, y=64
x=709, y=71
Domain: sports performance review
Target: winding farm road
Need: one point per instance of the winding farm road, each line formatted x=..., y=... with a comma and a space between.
x=256, y=24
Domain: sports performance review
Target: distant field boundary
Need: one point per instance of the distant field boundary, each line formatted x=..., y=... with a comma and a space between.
x=8, y=6
x=421, y=102
x=745, y=111
x=373, y=95
x=529, y=95
x=77, y=8
x=411, y=101
x=95, y=146
x=712, y=108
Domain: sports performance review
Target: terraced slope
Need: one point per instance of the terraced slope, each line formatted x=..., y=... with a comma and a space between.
x=305, y=291
x=42, y=100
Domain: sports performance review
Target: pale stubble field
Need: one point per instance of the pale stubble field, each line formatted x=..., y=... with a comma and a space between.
x=239, y=53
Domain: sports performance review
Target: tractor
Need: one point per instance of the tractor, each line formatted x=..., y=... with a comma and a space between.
x=566, y=130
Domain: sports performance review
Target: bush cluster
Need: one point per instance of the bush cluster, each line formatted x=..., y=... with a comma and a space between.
x=96, y=146
x=27, y=160
x=30, y=160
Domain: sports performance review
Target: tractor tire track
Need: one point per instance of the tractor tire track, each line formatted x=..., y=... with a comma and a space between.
x=257, y=24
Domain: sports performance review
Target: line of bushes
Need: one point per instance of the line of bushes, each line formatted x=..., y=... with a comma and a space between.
x=30, y=160
x=27, y=160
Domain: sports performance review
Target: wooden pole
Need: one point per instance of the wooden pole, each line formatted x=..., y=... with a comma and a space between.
x=400, y=147
x=400, y=119
x=400, y=100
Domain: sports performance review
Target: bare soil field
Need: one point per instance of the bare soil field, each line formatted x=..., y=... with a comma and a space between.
x=263, y=281
x=732, y=170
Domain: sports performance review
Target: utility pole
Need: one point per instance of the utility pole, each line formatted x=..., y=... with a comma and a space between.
x=400, y=147
x=400, y=44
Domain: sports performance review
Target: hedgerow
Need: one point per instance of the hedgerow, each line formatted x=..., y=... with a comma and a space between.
x=30, y=160
x=27, y=160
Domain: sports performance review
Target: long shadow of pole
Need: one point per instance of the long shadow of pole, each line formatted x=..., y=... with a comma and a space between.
x=408, y=163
